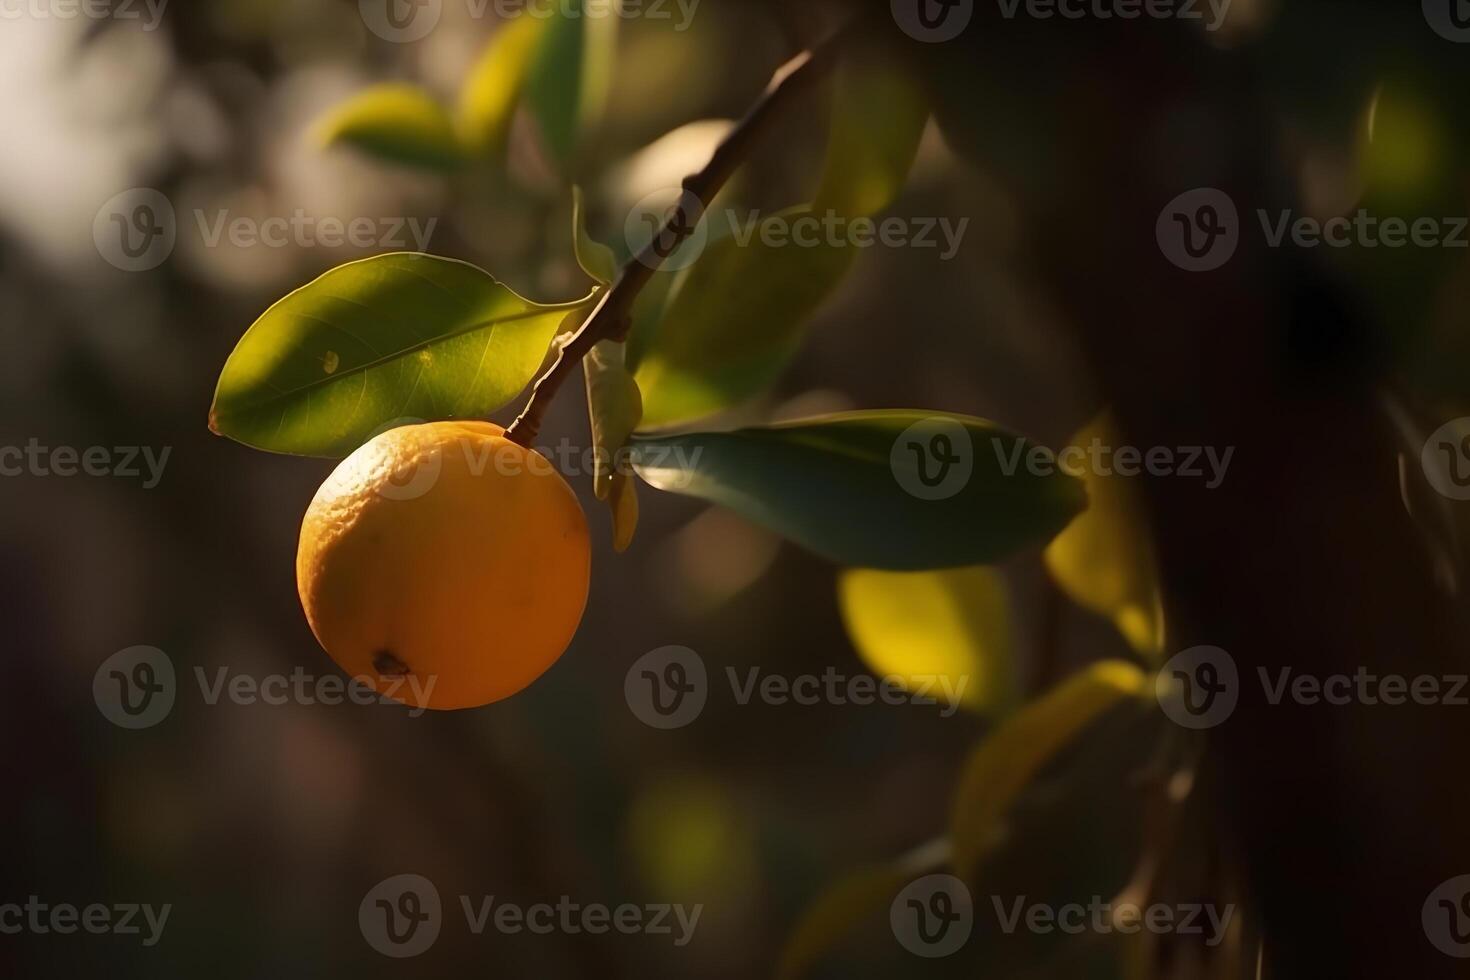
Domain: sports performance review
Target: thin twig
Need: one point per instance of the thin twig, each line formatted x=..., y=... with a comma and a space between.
x=611, y=317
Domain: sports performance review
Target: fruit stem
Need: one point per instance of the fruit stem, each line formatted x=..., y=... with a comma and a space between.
x=613, y=313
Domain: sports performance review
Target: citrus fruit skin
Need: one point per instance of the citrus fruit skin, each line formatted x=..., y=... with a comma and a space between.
x=444, y=564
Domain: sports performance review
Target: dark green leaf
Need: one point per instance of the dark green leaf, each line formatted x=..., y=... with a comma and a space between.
x=852, y=486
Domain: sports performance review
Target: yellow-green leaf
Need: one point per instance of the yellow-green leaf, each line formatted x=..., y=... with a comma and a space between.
x=849, y=901
x=614, y=405
x=734, y=319
x=1104, y=560
x=398, y=123
x=946, y=633
x=1006, y=761
x=595, y=258
x=878, y=117
x=491, y=91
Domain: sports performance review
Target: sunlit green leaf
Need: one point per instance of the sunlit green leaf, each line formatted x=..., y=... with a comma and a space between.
x=1104, y=560
x=878, y=116
x=398, y=123
x=953, y=624
x=393, y=336
x=852, y=486
x=491, y=91
x=735, y=318
x=1013, y=753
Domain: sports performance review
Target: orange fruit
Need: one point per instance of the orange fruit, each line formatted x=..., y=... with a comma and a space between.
x=444, y=564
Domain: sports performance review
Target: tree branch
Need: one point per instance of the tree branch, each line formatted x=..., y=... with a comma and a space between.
x=611, y=317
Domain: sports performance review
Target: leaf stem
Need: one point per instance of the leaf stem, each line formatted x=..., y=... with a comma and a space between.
x=611, y=317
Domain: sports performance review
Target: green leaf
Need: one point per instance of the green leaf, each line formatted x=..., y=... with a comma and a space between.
x=1104, y=560
x=735, y=319
x=398, y=123
x=878, y=117
x=570, y=76
x=596, y=259
x=393, y=336
x=851, y=486
x=1006, y=761
x=614, y=405
x=491, y=91
x=848, y=902
x=953, y=624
